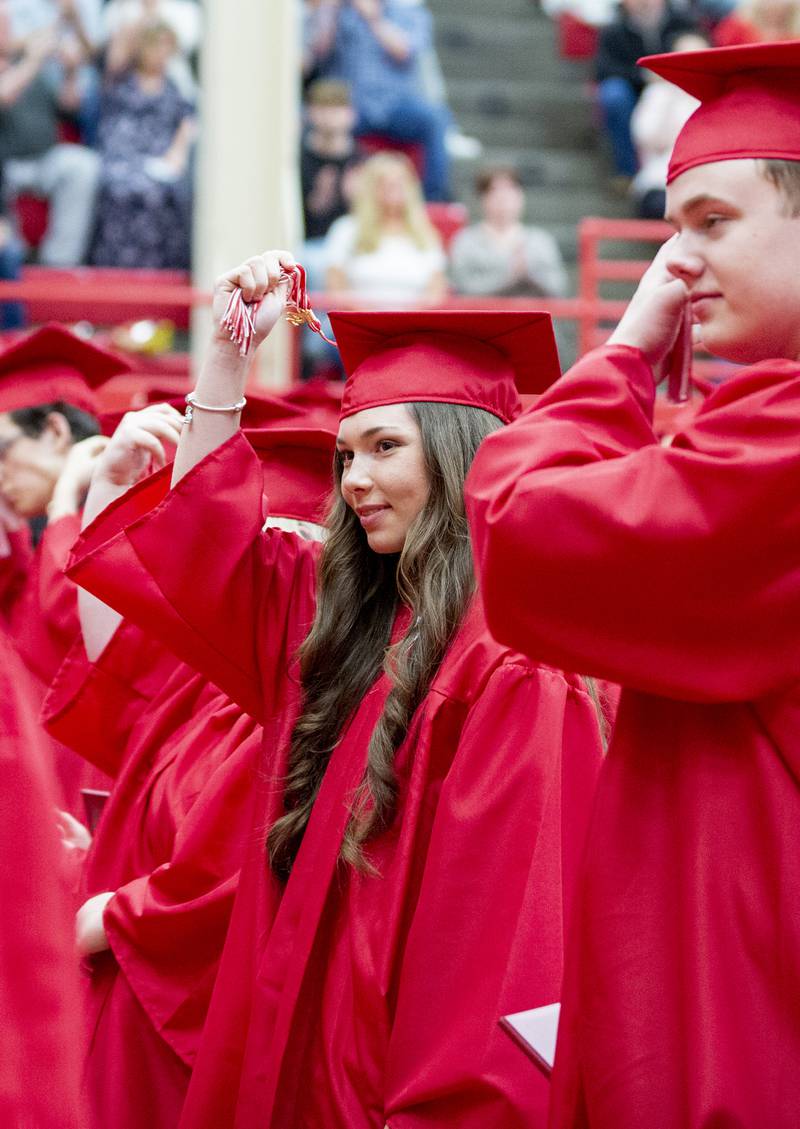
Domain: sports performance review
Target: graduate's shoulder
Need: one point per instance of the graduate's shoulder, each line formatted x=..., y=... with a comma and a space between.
x=773, y=383
x=475, y=658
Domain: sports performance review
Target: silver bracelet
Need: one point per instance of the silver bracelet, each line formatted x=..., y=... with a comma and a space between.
x=191, y=404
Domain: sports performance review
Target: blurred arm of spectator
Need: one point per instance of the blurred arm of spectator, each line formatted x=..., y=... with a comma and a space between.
x=320, y=24
x=398, y=42
x=71, y=17
x=17, y=77
x=176, y=158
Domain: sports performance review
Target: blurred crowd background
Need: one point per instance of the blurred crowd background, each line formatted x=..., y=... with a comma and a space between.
x=420, y=178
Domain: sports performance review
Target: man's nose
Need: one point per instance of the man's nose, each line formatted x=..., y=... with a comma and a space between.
x=683, y=262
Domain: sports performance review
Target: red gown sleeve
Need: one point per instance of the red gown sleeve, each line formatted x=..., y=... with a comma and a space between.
x=487, y=932
x=44, y=620
x=39, y=1010
x=167, y=929
x=672, y=570
x=15, y=563
x=92, y=707
x=193, y=567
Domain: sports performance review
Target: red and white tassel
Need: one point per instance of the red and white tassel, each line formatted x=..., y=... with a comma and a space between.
x=239, y=317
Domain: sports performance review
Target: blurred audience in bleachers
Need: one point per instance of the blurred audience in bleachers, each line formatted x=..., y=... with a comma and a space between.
x=146, y=134
x=34, y=159
x=77, y=29
x=502, y=255
x=329, y=157
x=759, y=21
x=659, y=116
x=639, y=27
x=376, y=46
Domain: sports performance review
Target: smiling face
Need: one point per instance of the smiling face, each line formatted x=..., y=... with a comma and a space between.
x=736, y=251
x=384, y=477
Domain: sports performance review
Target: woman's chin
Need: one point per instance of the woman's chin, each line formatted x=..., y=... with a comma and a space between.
x=384, y=544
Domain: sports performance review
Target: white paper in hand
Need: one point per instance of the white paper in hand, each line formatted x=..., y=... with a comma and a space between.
x=536, y=1032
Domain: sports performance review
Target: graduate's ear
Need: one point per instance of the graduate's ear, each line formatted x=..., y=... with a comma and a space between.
x=57, y=433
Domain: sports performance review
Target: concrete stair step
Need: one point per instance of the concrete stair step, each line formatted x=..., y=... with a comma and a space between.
x=523, y=96
x=536, y=131
x=523, y=11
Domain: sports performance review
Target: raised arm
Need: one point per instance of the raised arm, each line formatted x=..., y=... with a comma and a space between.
x=224, y=373
x=192, y=565
x=139, y=445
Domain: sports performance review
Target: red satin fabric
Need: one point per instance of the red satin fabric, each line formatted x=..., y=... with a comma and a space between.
x=40, y=1053
x=676, y=572
x=39, y=608
x=169, y=843
x=343, y=1000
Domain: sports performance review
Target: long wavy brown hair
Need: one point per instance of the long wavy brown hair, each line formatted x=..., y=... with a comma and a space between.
x=358, y=594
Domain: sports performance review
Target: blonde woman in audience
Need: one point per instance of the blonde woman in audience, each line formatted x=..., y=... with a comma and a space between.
x=386, y=251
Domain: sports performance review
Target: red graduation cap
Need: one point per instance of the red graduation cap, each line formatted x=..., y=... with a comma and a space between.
x=750, y=102
x=54, y=364
x=297, y=463
x=476, y=357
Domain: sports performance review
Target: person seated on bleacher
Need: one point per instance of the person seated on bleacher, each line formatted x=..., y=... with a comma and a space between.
x=124, y=20
x=76, y=25
x=501, y=255
x=328, y=158
x=659, y=116
x=640, y=27
x=386, y=251
x=147, y=131
x=375, y=46
x=33, y=159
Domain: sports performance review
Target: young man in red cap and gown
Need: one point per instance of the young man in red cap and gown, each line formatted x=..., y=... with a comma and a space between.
x=675, y=571
x=39, y=1014
x=364, y=996
x=49, y=437
x=163, y=867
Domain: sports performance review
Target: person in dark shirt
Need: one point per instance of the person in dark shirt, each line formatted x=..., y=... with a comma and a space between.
x=32, y=158
x=640, y=27
x=328, y=155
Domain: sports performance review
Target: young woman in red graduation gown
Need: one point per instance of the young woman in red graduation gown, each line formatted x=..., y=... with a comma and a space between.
x=682, y=982
x=163, y=867
x=423, y=790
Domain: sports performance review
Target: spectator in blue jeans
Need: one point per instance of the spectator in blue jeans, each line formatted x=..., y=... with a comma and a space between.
x=375, y=46
x=12, y=314
x=640, y=27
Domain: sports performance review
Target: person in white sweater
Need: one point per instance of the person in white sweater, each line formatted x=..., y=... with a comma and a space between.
x=501, y=255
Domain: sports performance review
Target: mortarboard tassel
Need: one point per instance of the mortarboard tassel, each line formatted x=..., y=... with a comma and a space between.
x=239, y=317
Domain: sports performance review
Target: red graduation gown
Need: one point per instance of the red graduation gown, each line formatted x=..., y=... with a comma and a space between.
x=40, y=612
x=344, y=1000
x=169, y=843
x=39, y=1027
x=676, y=572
